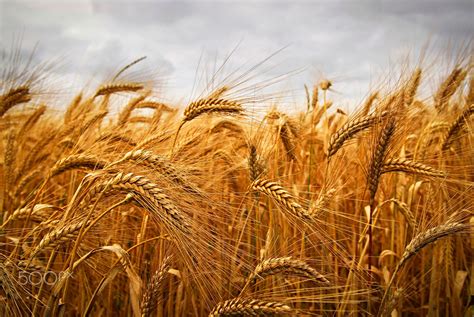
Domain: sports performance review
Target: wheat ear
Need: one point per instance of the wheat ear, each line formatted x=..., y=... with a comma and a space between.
x=248, y=307
x=314, y=98
x=208, y=105
x=287, y=265
x=123, y=69
x=322, y=202
x=35, y=116
x=127, y=111
x=406, y=212
x=150, y=297
x=281, y=196
x=378, y=157
x=448, y=88
x=219, y=92
x=419, y=242
x=369, y=102
x=13, y=97
x=456, y=126
x=407, y=166
x=116, y=88
x=412, y=87
x=350, y=129
x=160, y=164
x=28, y=212
x=58, y=237
x=147, y=194
x=256, y=168
x=86, y=161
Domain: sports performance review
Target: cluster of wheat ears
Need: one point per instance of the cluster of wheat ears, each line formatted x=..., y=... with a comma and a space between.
x=217, y=211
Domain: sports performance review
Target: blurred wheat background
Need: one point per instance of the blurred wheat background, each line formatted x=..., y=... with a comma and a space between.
x=235, y=200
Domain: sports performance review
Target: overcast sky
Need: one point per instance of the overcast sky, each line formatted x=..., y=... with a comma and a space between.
x=349, y=42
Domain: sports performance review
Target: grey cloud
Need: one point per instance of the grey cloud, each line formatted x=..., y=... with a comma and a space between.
x=343, y=39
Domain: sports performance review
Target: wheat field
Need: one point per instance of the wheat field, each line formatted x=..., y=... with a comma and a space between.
x=125, y=205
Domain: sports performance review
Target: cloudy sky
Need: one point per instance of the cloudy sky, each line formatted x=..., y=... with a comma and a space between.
x=349, y=42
